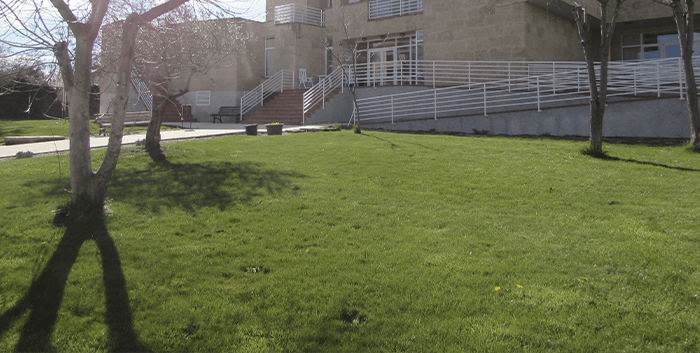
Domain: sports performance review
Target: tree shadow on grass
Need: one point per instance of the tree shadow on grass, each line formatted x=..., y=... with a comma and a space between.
x=43, y=300
x=193, y=186
x=607, y=157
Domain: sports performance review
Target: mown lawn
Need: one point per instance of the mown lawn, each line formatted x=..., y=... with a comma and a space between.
x=334, y=241
x=49, y=128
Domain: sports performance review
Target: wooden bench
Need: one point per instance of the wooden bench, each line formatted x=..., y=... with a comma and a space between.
x=142, y=118
x=227, y=111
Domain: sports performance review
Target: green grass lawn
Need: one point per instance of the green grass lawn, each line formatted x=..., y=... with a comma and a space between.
x=334, y=242
x=50, y=128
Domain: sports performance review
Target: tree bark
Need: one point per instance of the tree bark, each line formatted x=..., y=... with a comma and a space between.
x=86, y=185
x=130, y=29
x=683, y=13
x=598, y=94
x=153, y=133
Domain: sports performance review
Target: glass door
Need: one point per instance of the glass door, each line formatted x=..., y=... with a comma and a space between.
x=382, y=66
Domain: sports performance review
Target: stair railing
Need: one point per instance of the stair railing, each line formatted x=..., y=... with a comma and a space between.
x=142, y=90
x=283, y=79
x=324, y=87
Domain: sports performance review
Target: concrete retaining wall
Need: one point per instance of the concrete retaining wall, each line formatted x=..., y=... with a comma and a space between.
x=666, y=118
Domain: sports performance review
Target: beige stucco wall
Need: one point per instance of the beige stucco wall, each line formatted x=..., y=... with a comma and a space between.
x=470, y=30
x=550, y=37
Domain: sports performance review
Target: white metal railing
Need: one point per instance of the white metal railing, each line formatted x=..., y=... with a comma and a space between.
x=318, y=93
x=657, y=77
x=389, y=8
x=142, y=89
x=295, y=13
x=452, y=73
x=283, y=79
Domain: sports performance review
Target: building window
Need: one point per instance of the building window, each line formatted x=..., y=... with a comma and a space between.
x=203, y=98
x=346, y=2
x=644, y=46
x=390, y=59
x=269, y=57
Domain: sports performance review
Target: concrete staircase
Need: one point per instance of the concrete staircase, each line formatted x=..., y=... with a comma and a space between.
x=286, y=107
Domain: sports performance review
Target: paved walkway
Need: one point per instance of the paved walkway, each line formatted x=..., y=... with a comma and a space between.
x=193, y=130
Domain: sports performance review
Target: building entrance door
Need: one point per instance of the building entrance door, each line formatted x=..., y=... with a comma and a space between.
x=382, y=66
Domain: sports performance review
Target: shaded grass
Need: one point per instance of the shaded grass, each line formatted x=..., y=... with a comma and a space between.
x=374, y=242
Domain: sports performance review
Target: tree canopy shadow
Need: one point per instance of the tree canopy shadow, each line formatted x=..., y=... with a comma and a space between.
x=607, y=157
x=44, y=297
x=195, y=185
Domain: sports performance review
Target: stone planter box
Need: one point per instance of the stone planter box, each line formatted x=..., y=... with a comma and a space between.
x=274, y=129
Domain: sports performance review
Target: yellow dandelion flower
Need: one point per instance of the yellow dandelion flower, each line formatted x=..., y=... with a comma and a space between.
x=519, y=286
x=498, y=288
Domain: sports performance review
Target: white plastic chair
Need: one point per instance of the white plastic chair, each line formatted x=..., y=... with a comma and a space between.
x=303, y=79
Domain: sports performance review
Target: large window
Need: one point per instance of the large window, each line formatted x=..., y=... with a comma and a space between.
x=390, y=59
x=269, y=57
x=653, y=46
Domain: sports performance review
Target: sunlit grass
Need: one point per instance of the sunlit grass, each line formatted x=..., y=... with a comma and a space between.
x=337, y=241
x=51, y=128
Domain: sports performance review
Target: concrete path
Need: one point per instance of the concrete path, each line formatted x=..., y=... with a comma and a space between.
x=193, y=130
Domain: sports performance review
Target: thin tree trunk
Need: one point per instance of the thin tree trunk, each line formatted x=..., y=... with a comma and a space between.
x=153, y=133
x=683, y=14
x=599, y=94
x=130, y=29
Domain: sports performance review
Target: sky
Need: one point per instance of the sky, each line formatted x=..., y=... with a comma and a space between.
x=250, y=9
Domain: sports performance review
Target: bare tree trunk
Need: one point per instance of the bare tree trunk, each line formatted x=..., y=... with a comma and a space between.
x=153, y=133
x=598, y=95
x=683, y=14
x=88, y=187
x=130, y=29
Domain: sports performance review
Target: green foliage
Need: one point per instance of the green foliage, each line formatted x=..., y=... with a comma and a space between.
x=372, y=242
x=356, y=129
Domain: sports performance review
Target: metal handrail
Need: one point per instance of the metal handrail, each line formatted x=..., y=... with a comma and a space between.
x=656, y=77
x=295, y=13
x=277, y=83
x=389, y=8
x=325, y=86
x=142, y=90
x=437, y=73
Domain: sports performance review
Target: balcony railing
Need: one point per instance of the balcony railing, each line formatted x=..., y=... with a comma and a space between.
x=293, y=13
x=389, y=8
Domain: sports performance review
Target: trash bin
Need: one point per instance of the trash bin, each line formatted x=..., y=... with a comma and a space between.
x=251, y=130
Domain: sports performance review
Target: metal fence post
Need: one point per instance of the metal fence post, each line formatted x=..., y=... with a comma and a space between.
x=509, y=77
x=392, y=109
x=658, y=82
x=433, y=74
x=262, y=93
x=554, y=78
x=282, y=85
x=538, y=94
x=680, y=78
x=435, y=103
x=485, y=100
